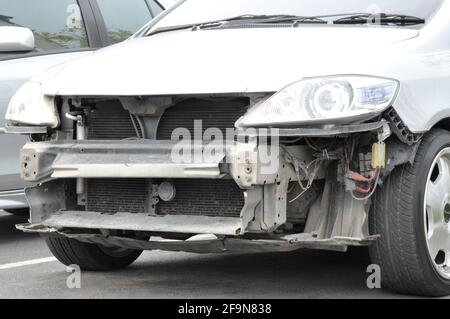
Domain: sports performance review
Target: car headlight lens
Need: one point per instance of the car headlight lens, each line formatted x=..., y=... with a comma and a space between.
x=29, y=106
x=324, y=100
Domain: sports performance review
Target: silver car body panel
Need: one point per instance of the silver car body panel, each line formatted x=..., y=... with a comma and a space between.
x=267, y=59
x=13, y=74
x=13, y=199
x=419, y=59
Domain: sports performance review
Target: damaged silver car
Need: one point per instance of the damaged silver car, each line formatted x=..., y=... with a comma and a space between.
x=237, y=125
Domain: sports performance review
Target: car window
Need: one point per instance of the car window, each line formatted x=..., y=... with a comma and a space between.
x=198, y=11
x=121, y=26
x=56, y=24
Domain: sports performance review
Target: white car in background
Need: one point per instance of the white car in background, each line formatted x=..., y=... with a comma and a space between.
x=353, y=105
x=36, y=35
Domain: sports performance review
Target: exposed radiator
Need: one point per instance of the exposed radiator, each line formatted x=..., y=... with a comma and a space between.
x=117, y=195
x=204, y=197
x=193, y=197
x=110, y=121
x=216, y=114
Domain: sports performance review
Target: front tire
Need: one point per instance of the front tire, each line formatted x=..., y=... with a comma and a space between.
x=90, y=256
x=411, y=213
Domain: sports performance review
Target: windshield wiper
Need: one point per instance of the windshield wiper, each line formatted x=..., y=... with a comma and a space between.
x=292, y=20
x=382, y=18
x=243, y=20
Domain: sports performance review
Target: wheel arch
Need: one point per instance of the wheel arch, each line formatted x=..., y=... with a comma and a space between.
x=443, y=123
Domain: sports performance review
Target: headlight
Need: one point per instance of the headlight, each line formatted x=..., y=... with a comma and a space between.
x=324, y=100
x=30, y=106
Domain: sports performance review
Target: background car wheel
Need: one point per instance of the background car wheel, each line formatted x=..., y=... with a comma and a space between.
x=90, y=256
x=411, y=212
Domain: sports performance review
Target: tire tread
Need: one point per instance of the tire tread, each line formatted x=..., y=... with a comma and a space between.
x=397, y=252
x=88, y=256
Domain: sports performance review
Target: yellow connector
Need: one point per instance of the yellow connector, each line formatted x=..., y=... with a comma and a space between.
x=378, y=155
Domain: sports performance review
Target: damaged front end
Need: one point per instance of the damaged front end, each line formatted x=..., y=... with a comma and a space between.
x=173, y=173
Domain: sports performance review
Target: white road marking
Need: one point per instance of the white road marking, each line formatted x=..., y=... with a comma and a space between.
x=27, y=263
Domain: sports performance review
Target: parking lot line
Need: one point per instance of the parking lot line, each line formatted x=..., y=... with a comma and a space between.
x=27, y=263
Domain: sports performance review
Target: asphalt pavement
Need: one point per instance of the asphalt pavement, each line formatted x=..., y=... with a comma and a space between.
x=27, y=270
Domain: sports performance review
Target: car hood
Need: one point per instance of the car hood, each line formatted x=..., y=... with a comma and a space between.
x=226, y=61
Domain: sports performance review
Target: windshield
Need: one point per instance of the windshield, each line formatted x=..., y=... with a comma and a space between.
x=200, y=11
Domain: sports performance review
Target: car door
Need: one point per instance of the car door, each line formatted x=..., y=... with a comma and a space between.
x=60, y=34
x=63, y=30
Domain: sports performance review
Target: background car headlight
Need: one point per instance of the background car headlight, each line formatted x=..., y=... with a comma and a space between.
x=29, y=106
x=324, y=100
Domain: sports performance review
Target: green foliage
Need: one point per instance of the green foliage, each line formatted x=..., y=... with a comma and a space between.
x=118, y=35
x=68, y=37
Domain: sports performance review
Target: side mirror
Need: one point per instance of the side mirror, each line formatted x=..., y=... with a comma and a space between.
x=16, y=39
